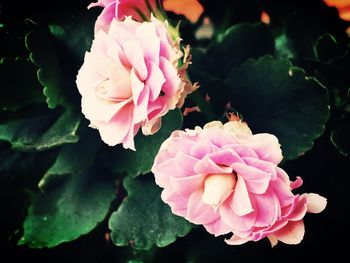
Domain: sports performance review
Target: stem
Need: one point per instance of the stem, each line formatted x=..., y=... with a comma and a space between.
x=204, y=106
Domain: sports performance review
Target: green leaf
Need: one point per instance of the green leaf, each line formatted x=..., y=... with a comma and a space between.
x=72, y=159
x=68, y=211
x=41, y=132
x=49, y=74
x=143, y=220
x=326, y=47
x=140, y=161
x=20, y=86
x=13, y=161
x=277, y=98
x=216, y=88
x=340, y=138
x=75, y=33
x=237, y=44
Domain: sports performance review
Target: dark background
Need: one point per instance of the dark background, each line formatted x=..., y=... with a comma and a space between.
x=324, y=169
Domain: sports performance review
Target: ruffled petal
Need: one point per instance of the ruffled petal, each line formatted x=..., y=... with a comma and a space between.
x=234, y=221
x=256, y=180
x=266, y=146
x=236, y=240
x=240, y=202
x=217, y=227
x=268, y=209
x=172, y=83
x=187, y=185
x=134, y=54
x=198, y=212
x=150, y=42
x=117, y=129
x=207, y=166
x=155, y=80
x=315, y=203
x=292, y=233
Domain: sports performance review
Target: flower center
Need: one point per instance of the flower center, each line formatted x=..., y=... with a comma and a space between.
x=217, y=187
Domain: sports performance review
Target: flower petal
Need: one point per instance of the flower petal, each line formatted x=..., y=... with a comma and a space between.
x=172, y=83
x=234, y=221
x=202, y=148
x=117, y=129
x=217, y=227
x=297, y=183
x=135, y=57
x=266, y=146
x=299, y=209
x=236, y=240
x=273, y=240
x=207, y=166
x=150, y=42
x=256, y=180
x=315, y=203
x=155, y=80
x=241, y=203
x=268, y=209
x=140, y=109
x=187, y=185
x=225, y=157
x=178, y=203
x=198, y=212
x=185, y=165
x=292, y=233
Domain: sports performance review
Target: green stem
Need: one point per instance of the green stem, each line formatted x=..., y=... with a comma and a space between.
x=204, y=105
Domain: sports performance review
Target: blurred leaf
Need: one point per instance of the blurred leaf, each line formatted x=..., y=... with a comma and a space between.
x=41, y=132
x=44, y=56
x=326, y=47
x=140, y=161
x=277, y=98
x=20, y=86
x=237, y=44
x=284, y=47
x=340, y=137
x=143, y=220
x=68, y=211
x=72, y=159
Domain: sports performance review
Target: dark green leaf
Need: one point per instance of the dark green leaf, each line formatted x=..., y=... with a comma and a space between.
x=75, y=33
x=68, y=211
x=41, y=132
x=143, y=220
x=326, y=47
x=277, y=98
x=237, y=44
x=140, y=161
x=49, y=73
x=340, y=138
x=20, y=86
x=72, y=159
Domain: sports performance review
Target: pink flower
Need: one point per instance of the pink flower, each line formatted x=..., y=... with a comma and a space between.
x=140, y=10
x=130, y=80
x=119, y=9
x=227, y=179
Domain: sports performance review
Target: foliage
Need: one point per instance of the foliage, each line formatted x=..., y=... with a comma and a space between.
x=60, y=183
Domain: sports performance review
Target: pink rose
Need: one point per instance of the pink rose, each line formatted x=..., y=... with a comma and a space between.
x=119, y=9
x=227, y=179
x=130, y=80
